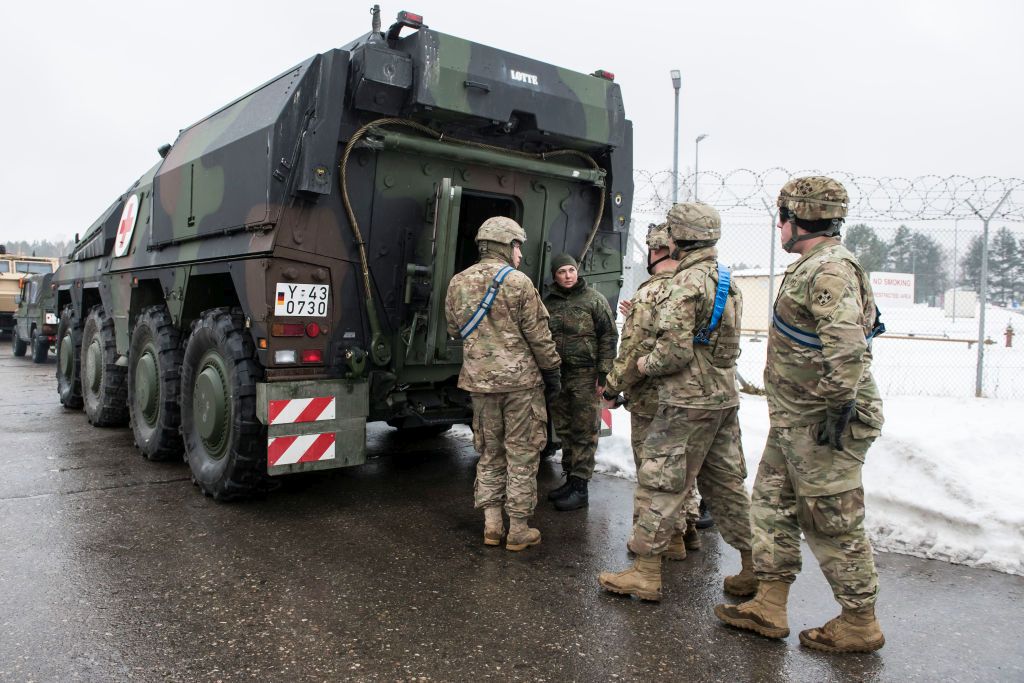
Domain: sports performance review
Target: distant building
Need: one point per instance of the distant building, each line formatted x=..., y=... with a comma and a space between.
x=960, y=303
x=753, y=283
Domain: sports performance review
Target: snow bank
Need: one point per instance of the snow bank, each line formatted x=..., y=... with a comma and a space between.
x=944, y=481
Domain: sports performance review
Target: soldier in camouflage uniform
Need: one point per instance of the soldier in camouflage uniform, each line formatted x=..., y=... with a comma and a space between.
x=825, y=413
x=585, y=337
x=641, y=393
x=695, y=434
x=509, y=365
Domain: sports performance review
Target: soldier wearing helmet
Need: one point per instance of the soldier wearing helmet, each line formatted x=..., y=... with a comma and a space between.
x=694, y=434
x=585, y=336
x=509, y=363
x=825, y=412
x=640, y=394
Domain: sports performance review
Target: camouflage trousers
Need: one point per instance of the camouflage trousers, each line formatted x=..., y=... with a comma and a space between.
x=508, y=433
x=684, y=445
x=576, y=417
x=802, y=486
x=638, y=426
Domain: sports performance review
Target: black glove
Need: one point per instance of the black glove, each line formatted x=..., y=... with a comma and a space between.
x=836, y=418
x=552, y=383
x=602, y=379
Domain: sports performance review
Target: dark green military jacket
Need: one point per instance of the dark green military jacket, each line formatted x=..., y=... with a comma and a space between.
x=582, y=326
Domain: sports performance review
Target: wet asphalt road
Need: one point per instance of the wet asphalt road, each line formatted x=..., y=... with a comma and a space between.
x=113, y=568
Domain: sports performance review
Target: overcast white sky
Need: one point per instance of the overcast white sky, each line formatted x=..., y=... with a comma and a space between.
x=875, y=88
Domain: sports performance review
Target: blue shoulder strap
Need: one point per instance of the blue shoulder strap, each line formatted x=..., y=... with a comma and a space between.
x=484, y=307
x=811, y=340
x=703, y=336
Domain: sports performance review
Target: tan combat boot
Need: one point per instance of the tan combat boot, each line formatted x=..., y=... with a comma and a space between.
x=852, y=631
x=643, y=580
x=743, y=584
x=765, y=614
x=692, y=538
x=676, y=549
x=494, y=526
x=520, y=535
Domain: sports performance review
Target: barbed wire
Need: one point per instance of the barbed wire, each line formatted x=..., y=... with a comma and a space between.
x=928, y=197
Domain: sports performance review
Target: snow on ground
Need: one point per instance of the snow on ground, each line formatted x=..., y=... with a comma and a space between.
x=944, y=481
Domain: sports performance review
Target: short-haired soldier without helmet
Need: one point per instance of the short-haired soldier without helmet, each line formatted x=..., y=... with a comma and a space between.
x=825, y=412
x=695, y=432
x=509, y=363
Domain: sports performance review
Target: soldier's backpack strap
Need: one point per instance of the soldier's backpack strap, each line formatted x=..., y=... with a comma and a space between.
x=484, y=307
x=812, y=340
x=703, y=335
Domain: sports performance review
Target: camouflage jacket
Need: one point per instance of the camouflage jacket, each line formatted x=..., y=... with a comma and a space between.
x=511, y=344
x=638, y=335
x=695, y=375
x=582, y=326
x=826, y=293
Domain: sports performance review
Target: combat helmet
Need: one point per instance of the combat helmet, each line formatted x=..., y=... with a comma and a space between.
x=500, y=230
x=814, y=198
x=692, y=225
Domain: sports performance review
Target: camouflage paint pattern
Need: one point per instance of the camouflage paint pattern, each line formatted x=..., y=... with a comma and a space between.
x=826, y=293
x=508, y=433
x=512, y=344
x=684, y=445
x=696, y=375
x=249, y=196
x=576, y=417
x=804, y=487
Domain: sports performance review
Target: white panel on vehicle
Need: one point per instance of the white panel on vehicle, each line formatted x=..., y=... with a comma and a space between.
x=295, y=299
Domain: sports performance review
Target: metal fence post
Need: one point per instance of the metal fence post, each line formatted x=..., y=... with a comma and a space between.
x=983, y=294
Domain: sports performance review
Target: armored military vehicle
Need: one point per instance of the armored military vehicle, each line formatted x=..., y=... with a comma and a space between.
x=13, y=268
x=35, y=321
x=277, y=279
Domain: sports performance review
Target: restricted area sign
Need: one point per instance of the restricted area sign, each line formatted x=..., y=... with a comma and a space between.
x=127, y=225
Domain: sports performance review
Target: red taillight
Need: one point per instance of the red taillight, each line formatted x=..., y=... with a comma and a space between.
x=312, y=356
x=606, y=75
x=312, y=330
x=409, y=19
x=287, y=330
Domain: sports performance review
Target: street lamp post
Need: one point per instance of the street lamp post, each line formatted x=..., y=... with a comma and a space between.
x=677, y=80
x=696, y=164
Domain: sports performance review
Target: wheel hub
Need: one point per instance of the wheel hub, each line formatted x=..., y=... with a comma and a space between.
x=93, y=366
x=210, y=406
x=147, y=384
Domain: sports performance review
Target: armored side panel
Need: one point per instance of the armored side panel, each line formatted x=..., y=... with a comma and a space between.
x=258, y=133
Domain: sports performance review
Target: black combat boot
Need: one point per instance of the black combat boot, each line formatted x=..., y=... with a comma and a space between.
x=562, y=491
x=577, y=498
x=705, y=520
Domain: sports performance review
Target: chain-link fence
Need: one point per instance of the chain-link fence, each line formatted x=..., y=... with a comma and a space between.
x=922, y=241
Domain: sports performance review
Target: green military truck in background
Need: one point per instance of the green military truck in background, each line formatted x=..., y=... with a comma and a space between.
x=277, y=279
x=14, y=268
x=35, y=320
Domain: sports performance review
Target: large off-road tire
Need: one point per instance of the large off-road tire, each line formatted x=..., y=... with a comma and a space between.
x=69, y=359
x=104, y=385
x=17, y=345
x=225, y=445
x=154, y=385
x=40, y=348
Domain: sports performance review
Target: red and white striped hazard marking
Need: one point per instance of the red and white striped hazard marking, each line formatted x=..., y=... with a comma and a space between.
x=288, y=450
x=290, y=411
x=606, y=419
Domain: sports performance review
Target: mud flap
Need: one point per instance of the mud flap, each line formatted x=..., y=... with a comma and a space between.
x=313, y=424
